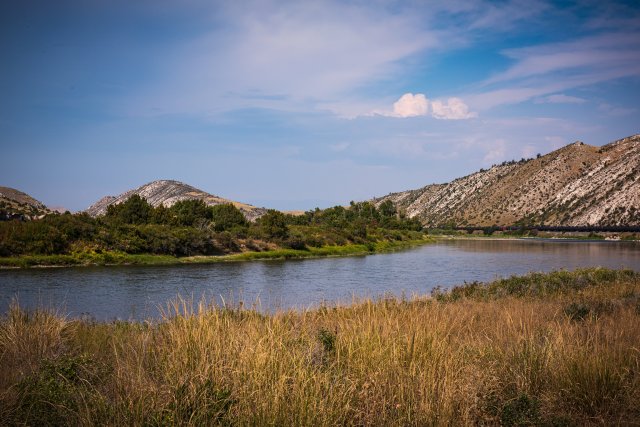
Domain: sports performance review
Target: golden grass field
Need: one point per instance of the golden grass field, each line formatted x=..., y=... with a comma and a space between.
x=546, y=349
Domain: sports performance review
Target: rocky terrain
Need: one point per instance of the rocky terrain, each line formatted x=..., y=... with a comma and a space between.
x=167, y=192
x=15, y=204
x=577, y=185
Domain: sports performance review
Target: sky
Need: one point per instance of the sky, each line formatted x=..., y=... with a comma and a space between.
x=303, y=104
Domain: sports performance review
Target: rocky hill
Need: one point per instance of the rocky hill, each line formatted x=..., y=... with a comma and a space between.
x=167, y=192
x=14, y=204
x=577, y=185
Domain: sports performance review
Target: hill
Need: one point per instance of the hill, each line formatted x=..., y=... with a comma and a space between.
x=577, y=185
x=14, y=204
x=168, y=192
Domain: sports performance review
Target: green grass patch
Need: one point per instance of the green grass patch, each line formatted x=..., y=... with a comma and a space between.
x=86, y=259
x=537, y=284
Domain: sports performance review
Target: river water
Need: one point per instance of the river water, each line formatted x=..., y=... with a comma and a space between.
x=138, y=292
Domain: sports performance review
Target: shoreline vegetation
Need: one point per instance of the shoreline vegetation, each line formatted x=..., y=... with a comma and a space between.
x=556, y=348
x=134, y=232
x=121, y=258
x=86, y=259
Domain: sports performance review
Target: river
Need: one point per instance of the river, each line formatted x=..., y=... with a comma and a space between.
x=138, y=292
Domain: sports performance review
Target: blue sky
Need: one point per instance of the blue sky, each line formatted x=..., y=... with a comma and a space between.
x=293, y=105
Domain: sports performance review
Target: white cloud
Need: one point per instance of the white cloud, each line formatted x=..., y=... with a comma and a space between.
x=453, y=109
x=560, y=98
x=547, y=70
x=410, y=105
x=602, y=55
x=307, y=53
x=295, y=56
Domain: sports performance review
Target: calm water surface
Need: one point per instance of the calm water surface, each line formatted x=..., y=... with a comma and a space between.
x=137, y=292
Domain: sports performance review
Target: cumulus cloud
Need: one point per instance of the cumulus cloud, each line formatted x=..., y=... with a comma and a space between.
x=410, y=105
x=453, y=109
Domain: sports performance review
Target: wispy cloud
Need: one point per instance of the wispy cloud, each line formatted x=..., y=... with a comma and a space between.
x=542, y=71
x=315, y=55
x=305, y=52
x=615, y=111
x=560, y=98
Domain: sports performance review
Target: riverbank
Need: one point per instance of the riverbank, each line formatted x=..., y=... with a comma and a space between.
x=441, y=237
x=121, y=258
x=543, y=349
x=565, y=236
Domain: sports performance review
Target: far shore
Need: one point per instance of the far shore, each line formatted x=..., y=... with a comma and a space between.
x=123, y=259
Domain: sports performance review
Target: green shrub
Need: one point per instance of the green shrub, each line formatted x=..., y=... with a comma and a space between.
x=227, y=217
x=521, y=411
x=327, y=339
x=55, y=394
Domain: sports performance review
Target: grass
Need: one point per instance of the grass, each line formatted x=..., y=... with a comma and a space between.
x=121, y=258
x=544, y=349
x=325, y=251
x=85, y=259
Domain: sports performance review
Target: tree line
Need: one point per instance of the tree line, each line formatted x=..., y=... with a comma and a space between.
x=190, y=227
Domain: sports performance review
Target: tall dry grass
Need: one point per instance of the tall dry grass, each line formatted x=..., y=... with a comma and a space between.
x=569, y=356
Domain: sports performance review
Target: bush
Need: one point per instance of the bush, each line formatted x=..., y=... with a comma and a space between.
x=274, y=225
x=227, y=217
x=135, y=210
x=295, y=243
x=189, y=212
x=55, y=394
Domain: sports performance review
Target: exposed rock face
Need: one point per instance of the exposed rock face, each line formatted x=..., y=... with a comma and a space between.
x=167, y=193
x=19, y=205
x=577, y=185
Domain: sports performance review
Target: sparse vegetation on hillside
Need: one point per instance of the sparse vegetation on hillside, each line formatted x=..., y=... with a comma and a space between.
x=15, y=204
x=545, y=349
x=577, y=185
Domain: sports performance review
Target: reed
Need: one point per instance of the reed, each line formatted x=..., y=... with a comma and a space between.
x=481, y=357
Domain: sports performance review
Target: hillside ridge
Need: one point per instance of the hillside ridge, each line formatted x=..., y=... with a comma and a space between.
x=168, y=192
x=15, y=204
x=575, y=185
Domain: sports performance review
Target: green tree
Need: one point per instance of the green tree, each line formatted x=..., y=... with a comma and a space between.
x=274, y=224
x=135, y=210
x=189, y=212
x=161, y=215
x=387, y=209
x=226, y=216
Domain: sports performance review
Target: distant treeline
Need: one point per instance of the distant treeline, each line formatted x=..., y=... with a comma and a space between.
x=190, y=227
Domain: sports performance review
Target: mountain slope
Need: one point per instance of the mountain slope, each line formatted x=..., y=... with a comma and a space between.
x=167, y=193
x=16, y=204
x=576, y=185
